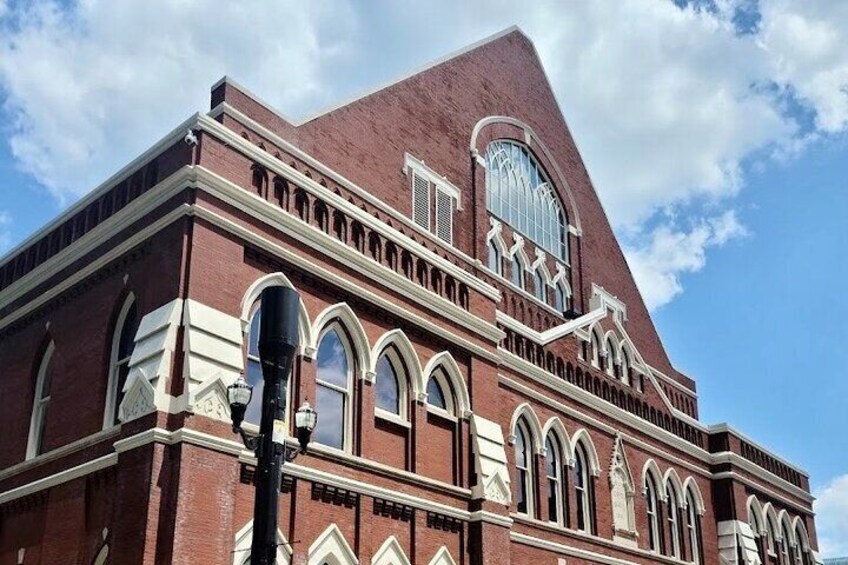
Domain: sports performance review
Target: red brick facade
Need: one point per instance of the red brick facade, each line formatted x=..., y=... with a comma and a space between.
x=192, y=230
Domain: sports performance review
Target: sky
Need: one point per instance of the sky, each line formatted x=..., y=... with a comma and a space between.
x=714, y=132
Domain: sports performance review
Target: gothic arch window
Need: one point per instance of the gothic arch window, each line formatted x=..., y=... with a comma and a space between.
x=391, y=385
x=693, y=527
x=495, y=258
x=786, y=553
x=561, y=298
x=253, y=368
x=554, y=471
x=517, y=272
x=673, y=516
x=625, y=367
x=595, y=347
x=334, y=379
x=540, y=287
x=609, y=364
x=771, y=534
x=653, y=508
x=123, y=341
x=524, y=468
x=519, y=192
x=439, y=394
x=41, y=401
x=583, y=489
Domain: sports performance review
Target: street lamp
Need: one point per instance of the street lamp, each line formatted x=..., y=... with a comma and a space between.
x=278, y=344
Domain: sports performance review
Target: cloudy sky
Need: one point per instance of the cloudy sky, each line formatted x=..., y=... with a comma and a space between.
x=715, y=133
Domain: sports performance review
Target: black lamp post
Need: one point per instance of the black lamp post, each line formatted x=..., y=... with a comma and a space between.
x=278, y=343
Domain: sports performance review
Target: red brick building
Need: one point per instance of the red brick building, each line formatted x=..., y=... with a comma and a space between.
x=490, y=386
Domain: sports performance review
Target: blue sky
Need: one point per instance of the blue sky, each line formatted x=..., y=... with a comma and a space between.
x=715, y=134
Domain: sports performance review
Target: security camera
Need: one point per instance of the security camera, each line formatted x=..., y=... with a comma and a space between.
x=190, y=138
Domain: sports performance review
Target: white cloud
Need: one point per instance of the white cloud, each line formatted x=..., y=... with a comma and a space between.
x=5, y=233
x=666, y=103
x=660, y=258
x=831, y=508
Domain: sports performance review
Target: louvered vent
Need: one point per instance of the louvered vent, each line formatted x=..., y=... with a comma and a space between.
x=420, y=201
x=444, y=216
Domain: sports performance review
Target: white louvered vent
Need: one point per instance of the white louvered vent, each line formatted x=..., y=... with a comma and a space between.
x=420, y=200
x=444, y=216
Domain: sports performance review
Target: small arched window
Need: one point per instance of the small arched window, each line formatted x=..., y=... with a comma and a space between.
x=672, y=511
x=595, y=346
x=653, y=508
x=553, y=466
x=771, y=535
x=517, y=272
x=785, y=547
x=540, y=289
x=123, y=341
x=333, y=378
x=524, y=469
x=561, y=298
x=582, y=489
x=693, y=525
x=757, y=528
x=624, y=367
x=610, y=358
x=40, y=403
x=439, y=394
x=495, y=261
x=390, y=385
x=253, y=368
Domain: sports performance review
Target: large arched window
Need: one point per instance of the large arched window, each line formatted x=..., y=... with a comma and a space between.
x=41, y=402
x=673, y=516
x=582, y=488
x=333, y=378
x=693, y=526
x=653, y=508
x=123, y=340
x=554, y=470
x=786, y=553
x=524, y=468
x=519, y=192
x=390, y=385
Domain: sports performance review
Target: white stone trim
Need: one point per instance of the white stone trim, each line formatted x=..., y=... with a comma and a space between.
x=441, y=182
x=459, y=390
x=442, y=557
x=254, y=293
x=243, y=539
x=490, y=462
x=331, y=547
x=525, y=411
x=390, y=553
x=59, y=478
x=38, y=414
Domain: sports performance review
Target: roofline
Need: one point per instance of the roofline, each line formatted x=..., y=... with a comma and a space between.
x=725, y=427
x=368, y=92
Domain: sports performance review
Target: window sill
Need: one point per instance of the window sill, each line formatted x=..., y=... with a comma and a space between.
x=391, y=418
x=444, y=414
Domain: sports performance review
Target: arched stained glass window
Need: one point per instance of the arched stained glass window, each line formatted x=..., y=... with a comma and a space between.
x=519, y=192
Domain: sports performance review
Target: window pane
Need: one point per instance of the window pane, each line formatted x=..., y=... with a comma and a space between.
x=253, y=414
x=522, y=491
x=330, y=406
x=48, y=379
x=553, y=500
x=333, y=365
x=253, y=340
x=128, y=331
x=435, y=395
x=39, y=430
x=387, y=393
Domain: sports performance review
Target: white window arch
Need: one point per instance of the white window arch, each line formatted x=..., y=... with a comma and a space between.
x=331, y=548
x=524, y=467
x=391, y=386
x=519, y=192
x=517, y=272
x=253, y=370
x=554, y=471
x=439, y=394
x=334, y=380
x=495, y=258
x=562, y=298
x=540, y=287
x=625, y=367
x=595, y=349
x=123, y=342
x=41, y=401
x=610, y=358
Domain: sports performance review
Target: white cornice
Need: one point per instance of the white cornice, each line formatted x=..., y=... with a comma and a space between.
x=172, y=137
x=59, y=478
x=724, y=427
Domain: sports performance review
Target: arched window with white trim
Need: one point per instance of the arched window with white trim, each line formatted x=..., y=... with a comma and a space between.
x=123, y=342
x=693, y=527
x=553, y=469
x=673, y=516
x=771, y=535
x=625, y=367
x=561, y=298
x=786, y=553
x=253, y=368
x=757, y=529
x=583, y=489
x=652, y=504
x=334, y=379
x=41, y=401
x=595, y=346
x=519, y=192
x=524, y=468
x=610, y=358
x=390, y=386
